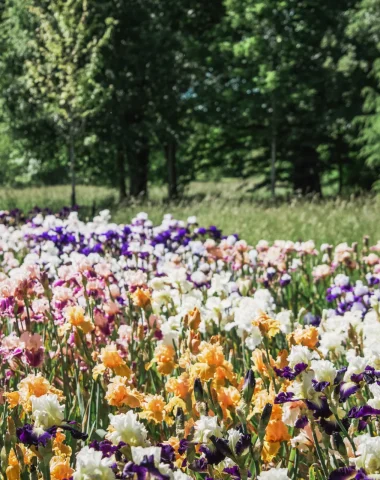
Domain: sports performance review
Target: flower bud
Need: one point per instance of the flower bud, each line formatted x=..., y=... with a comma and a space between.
x=8, y=442
x=193, y=319
x=249, y=386
x=338, y=444
x=140, y=332
x=242, y=411
x=193, y=342
x=11, y=427
x=366, y=242
x=264, y=420
x=20, y=456
x=198, y=390
x=180, y=423
x=3, y=456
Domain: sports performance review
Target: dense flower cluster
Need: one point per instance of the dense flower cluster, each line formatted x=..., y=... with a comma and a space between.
x=174, y=352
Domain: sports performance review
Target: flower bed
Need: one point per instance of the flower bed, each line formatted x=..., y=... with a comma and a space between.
x=174, y=352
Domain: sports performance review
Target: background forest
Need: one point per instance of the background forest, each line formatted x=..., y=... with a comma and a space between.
x=133, y=94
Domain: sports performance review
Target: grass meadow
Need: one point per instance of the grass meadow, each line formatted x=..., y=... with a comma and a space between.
x=229, y=204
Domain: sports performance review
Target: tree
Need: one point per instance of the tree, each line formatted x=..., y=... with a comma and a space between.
x=362, y=58
x=60, y=72
x=169, y=91
x=286, y=88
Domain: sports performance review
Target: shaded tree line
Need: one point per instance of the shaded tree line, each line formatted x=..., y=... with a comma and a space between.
x=125, y=93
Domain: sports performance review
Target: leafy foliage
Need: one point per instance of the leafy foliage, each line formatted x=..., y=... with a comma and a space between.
x=166, y=92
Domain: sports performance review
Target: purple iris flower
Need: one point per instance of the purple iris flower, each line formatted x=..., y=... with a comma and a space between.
x=363, y=412
x=243, y=443
x=344, y=473
x=290, y=374
x=199, y=465
x=346, y=390
x=233, y=471
x=372, y=280
x=271, y=272
x=284, y=397
x=98, y=248
x=183, y=446
x=34, y=358
x=167, y=453
x=285, y=280
x=147, y=466
x=29, y=436
x=339, y=375
x=321, y=409
x=214, y=456
x=362, y=425
x=310, y=319
x=319, y=386
x=371, y=375
x=361, y=475
x=158, y=334
x=331, y=295
x=301, y=422
x=347, y=473
x=215, y=232
x=331, y=427
x=357, y=378
x=106, y=447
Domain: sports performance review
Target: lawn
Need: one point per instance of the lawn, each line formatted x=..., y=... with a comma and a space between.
x=227, y=204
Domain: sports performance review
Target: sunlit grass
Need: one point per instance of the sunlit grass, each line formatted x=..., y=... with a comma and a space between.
x=227, y=204
x=54, y=197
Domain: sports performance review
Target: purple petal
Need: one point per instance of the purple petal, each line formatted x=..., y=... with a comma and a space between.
x=167, y=453
x=320, y=386
x=321, y=409
x=183, y=446
x=284, y=397
x=213, y=456
x=243, y=443
x=364, y=411
x=233, y=471
x=199, y=465
x=301, y=422
x=28, y=436
x=362, y=425
x=300, y=367
x=346, y=390
x=148, y=464
x=357, y=378
x=344, y=473
x=339, y=375
x=77, y=434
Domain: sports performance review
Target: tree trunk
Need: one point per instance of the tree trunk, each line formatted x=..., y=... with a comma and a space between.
x=121, y=173
x=306, y=171
x=72, y=171
x=340, y=154
x=171, y=164
x=138, y=170
x=273, y=165
x=273, y=151
x=340, y=167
